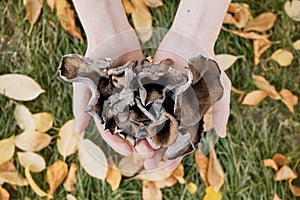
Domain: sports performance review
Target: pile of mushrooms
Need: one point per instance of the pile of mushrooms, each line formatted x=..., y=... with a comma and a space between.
x=149, y=100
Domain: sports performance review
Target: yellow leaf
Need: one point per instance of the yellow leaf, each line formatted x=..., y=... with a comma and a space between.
x=55, y=175
x=128, y=6
x=296, y=45
x=70, y=197
x=168, y=182
x=261, y=23
x=292, y=9
x=153, y=3
x=202, y=163
x=9, y=174
x=178, y=173
x=68, y=140
x=4, y=195
x=33, y=9
x=92, y=159
x=142, y=20
x=24, y=118
x=7, y=149
x=32, y=141
x=229, y=19
x=43, y=121
x=282, y=57
x=157, y=174
x=70, y=181
x=225, y=61
x=254, y=97
x=215, y=174
x=51, y=4
x=131, y=164
x=113, y=175
x=66, y=18
x=295, y=189
x=264, y=85
x=289, y=99
x=241, y=13
x=19, y=87
x=249, y=35
x=259, y=47
x=285, y=173
x=35, y=162
x=210, y=194
x=32, y=184
x=150, y=191
x=192, y=188
x=270, y=163
x=276, y=197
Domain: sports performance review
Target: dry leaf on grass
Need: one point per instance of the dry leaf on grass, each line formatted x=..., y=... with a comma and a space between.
x=168, y=182
x=289, y=99
x=211, y=194
x=55, y=175
x=33, y=9
x=157, y=174
x=43, y=121
x=24, y=118
x=19, y=87
x=262, y=84
x=282, y=57
x=295, y=189
x=150, y=191
x=248, y=35
x=7, y=149
x=285, y=173
x=254, y=97
x=296, y=45
x=241, y=14
x=51, y=4
x=153, y=3
x=229, y=19
x=92, y=159
x=9, y=174
x=34, y=162
x=192, y=188
x=259, y=47
x=66, y=18
x=225, y=61
x=32, y=183
x=261, y=23
x=70, y=181
x=130, y=165
x=208, y=120
x=113, y=175
x=279, y=159
x=202, y=163
x=270, y=163
x=276, y=197
x=178, y=173
x=70, y=197
x=215, y=174
x=292, y=9
x=128, y=6
x=4, y=195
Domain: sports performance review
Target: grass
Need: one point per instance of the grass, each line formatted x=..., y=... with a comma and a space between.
x=254, y=133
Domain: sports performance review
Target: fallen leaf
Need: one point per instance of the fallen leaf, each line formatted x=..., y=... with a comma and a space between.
x=225, y=61
x=43, y=121
x=32, y=140
x=128, y=6
x=33, y=9
x=270, y=163
x=296, y=45
x=70, y=181
x=9, y=174
x=33, y=161
x=295, y=189
x=131, y=164
x=153, y=3
x=289, y=99
x=51, y=4
x=261, y=23
x=7, y=149
x=70, y=197
x=150, y=192
x=248, y=35
x=168, y=182
x=68, y=140
x=240, y=92
x=192, y=188
x=211, y=194
x=208, y=121
x=19, y=87
x=55, y=175
x=202, y=163
x=262, y=84
x=285, y=173
x=254, y=97
x=142, y=20
x=24, y=118
x=276, y=197
x=241, y=13
x=259, y=47
x=157, y=174
x=178, y=173
x=282, y=57
x=92, y=159
x=279, y=159
x=113, y=175
x=66, y=18
x=229, y=19
x=32, y=183
x=215, y=174
x=292, y=9
x=4, y=195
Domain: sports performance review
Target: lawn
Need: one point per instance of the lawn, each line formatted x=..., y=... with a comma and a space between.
x=255, y=133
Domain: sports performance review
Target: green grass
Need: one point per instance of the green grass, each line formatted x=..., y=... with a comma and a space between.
x=254, y=133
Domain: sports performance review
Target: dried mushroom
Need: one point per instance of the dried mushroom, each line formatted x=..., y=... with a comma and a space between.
x=151, y=100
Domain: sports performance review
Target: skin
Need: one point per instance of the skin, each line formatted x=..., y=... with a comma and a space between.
x=195, y=29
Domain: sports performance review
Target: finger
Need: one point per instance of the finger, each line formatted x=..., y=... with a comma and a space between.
x=152, y=144
x=171, y=165
x=144, y=149
x=81, y=97
x=151, y=163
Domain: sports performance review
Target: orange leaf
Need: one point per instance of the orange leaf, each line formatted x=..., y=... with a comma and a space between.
x=150, y=191
x=295, y=189
x=249, y=35
x=168, y=182
x=9, y=174
x=215, y=174
x=259, y=47
x=128, y=6
x=229, y=19
x=66, y=18
x=241, y=13
x=261, y=23
x=202, y=163
x=178, y=173
x=255, y=97
x=71, y=178
x=208, y=121
x=4, y=195
x=153, y=3
x=285, y=173
x=264, y=85
x=55, y=175
x=33, y=9
x=289, y=99
x=270, y=163
x=276, y=197
x=113, y=175
x=51, y=4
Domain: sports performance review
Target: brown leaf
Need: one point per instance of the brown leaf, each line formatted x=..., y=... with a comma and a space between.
x=282, y=57
x=178, y=173
x=261, y=23
x=215, y=174
x=249, y=35
x=66, y=18
x=70, y=181
x=43, y=121
x=259, y=47
x=33, y=9
x=285, y=173
x=264, y=85
x=130, y=165
x=292, y=9
x=241, y=13
x=254, y=97
x=7, y=149
x=51, y=4
x=279, y=159
x=153, y=3
x=113, y=175
x=4, y=195
x=9, y=174
x=276, y=197
x=202, y=163
x=128, y=6
x=150, y=191
x=295, y=189
x=270, y=163
x=289, y=99
x=168, y=182
x=55, y=175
